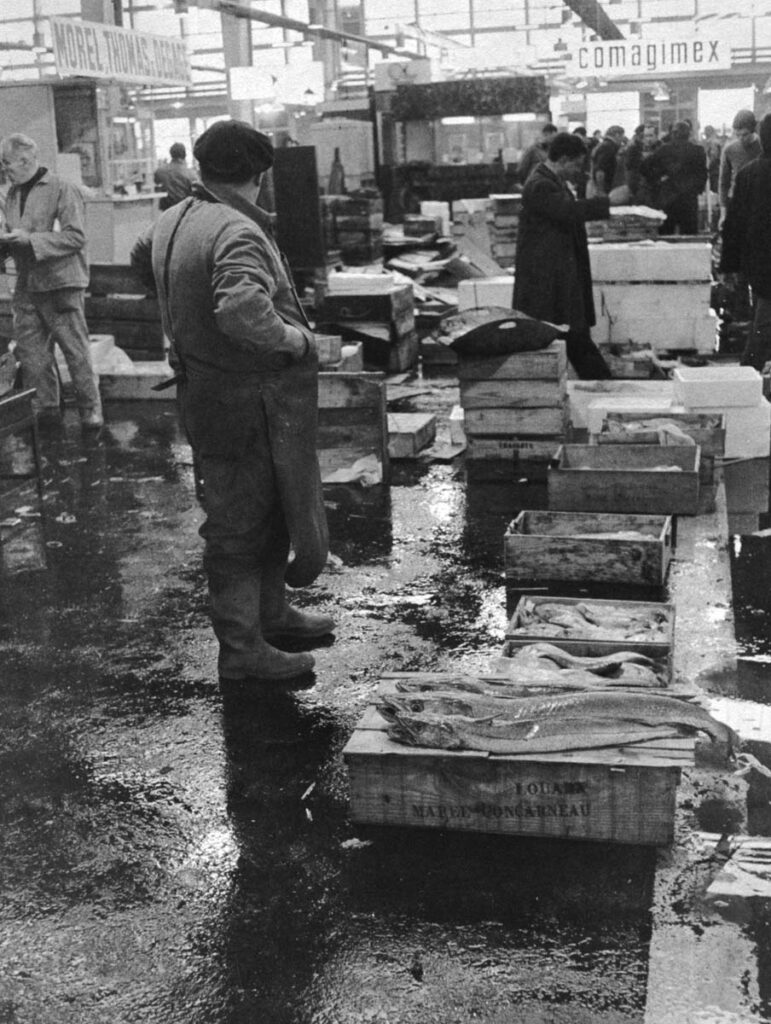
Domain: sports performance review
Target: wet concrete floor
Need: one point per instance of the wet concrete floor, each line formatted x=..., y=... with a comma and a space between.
x=170, y=855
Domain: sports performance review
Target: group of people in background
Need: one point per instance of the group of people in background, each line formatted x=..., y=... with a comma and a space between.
x=569, y=179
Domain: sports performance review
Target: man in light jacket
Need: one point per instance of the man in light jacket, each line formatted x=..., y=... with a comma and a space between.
x=45, y=235
x=248, y=400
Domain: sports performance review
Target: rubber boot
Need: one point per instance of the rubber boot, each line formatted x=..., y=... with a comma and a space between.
x=245, y=655
x=283, y=622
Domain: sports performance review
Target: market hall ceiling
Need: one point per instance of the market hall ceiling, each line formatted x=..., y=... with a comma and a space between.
x=594, y=16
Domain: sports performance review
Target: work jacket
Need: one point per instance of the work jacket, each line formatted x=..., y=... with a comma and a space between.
x=226, y=299
x=553, y=279
x=229, y=296
x=747, y=227
x=54, y=216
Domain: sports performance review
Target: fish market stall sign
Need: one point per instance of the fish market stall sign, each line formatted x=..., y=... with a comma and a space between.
x=95, y=50
x=656, y=56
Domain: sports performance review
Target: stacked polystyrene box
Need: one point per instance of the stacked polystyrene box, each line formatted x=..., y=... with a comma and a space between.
x=737, y=392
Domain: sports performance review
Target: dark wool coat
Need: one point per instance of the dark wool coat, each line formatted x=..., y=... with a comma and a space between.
x=747, y=227
x=679, y=168
x=553, y=279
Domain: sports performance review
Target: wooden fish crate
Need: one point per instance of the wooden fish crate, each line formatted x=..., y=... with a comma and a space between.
x=612, y=794
x=548, y=363
x=352, y=423
x=625, y=478
x=576, y=546
x=518, y=634
x=707, y=430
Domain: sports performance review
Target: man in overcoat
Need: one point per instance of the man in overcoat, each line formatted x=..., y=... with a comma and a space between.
x=679, y=170
x=746, y=253
x=553, y=279
x=248, y=401
x=46, y=236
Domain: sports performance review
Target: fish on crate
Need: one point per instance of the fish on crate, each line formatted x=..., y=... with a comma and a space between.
x=546, y=724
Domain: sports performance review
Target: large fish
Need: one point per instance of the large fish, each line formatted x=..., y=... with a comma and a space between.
x=500, y=737
x=570, y=718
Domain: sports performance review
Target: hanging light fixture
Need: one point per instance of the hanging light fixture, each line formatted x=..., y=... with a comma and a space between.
x=660, y=92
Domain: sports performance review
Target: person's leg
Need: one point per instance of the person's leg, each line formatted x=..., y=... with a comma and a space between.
x=758, y=350
x=282, y=621
x=65, y=314
x=35, y=352
x=237, y=490
x=584, y=356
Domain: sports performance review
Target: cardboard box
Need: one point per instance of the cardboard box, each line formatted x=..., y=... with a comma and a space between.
x=609, y=547
x=625, y=478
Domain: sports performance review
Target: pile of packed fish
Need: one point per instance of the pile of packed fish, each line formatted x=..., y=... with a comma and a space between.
x=544, y=701
x=587, y=619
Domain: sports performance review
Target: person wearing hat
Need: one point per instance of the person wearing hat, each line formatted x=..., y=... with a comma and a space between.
x=553, y=276
x=746, y=252
x=248, y=399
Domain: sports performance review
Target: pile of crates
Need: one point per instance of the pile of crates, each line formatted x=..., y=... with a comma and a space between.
x=353, y=225
x=504, y=228
x=515, y=412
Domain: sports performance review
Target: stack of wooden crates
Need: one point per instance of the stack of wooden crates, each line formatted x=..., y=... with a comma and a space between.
x=382, y=318
x=504, y=228
x=515, y=411
x=353, y=226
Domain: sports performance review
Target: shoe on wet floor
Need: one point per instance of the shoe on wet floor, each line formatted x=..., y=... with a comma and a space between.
x=273, y=669
x=298, y=625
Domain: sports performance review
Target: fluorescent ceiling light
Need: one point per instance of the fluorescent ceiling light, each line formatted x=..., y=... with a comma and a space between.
x=519, y=117
x=458, y=120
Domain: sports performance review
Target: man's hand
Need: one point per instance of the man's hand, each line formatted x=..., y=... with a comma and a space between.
x=728, y=281
x=17, y=239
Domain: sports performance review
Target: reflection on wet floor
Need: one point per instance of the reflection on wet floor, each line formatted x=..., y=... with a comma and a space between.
x=185, y=857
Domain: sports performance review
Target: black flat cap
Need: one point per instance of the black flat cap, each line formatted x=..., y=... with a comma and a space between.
x=233, y=151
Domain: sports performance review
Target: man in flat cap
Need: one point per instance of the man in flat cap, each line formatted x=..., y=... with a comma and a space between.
x=247, y=366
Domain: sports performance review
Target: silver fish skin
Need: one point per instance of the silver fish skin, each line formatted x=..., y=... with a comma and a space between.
x=527, y=737
x=641, y=708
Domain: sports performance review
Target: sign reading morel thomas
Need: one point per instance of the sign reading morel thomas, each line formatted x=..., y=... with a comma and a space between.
x=659, y=56
x=96, y=50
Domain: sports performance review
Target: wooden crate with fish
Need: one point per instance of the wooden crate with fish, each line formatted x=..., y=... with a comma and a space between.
x=625, y=478
x=606, y=547
x=591, y=628
x=707, y=430
x=561, y=753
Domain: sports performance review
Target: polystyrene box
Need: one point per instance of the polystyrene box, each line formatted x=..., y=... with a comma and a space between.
x=717, y=387
x=486, y=291
x=747, y=428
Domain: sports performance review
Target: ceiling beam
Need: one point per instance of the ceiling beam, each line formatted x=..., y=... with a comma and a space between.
x=239, y=10
x=594, y=16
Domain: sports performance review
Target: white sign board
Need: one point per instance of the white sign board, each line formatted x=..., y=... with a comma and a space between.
x=96, y=50
x=617, y=57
